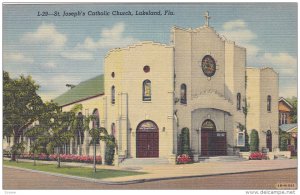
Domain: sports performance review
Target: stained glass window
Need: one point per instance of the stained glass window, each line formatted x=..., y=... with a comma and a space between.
x=238, y=101
x=208, y=65
x=113, y=95
x=183, y=99
x=269, y=103
x=147, y=90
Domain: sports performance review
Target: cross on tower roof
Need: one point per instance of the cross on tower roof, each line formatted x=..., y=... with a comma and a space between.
x=207, y=17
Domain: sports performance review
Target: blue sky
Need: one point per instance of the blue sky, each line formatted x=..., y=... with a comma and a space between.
x=60, y=50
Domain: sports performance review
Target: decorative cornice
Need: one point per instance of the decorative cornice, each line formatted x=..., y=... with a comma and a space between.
x=139, y=44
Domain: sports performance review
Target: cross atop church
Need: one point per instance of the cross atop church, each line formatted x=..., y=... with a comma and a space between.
x=207, y=17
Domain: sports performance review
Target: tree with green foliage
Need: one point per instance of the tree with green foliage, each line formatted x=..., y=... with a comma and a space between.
x=254, y=141
x=59, y=133
x=283, y=140
x=185, y=139
x=21, y=107
x=52, y=130
x=77, y=126
x=97, y=134
x=294, y=102
x=17, y=149
x=110, y=148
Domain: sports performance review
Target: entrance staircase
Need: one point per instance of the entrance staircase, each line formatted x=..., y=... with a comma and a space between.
x=143, y=161
x=220, y=159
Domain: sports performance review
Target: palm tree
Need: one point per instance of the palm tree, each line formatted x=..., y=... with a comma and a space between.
x=77, y=124
x=97, y=134
x=59, y=133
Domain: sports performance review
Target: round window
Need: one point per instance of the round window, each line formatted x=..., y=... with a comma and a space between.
x=146, y=69
x=208, y=66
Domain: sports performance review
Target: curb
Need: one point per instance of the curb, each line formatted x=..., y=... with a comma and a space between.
x=142, y=180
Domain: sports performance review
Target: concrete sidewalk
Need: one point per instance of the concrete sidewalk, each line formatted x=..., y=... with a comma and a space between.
x=206, y=169
x=161, y=172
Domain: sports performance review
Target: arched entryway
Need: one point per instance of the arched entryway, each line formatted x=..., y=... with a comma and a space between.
x=147, y=140
x=269, y=140
x=213, y=143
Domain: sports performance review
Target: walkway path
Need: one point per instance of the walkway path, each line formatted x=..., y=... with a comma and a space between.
x=158, y=172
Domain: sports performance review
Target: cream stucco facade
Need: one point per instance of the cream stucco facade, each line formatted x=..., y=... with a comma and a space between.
x=261, y=84
x=198, y=82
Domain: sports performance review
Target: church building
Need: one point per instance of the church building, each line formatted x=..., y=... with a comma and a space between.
x=150, y=91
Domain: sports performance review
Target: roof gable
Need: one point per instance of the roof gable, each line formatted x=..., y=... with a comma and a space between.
x=285, y=102
x=84, y=90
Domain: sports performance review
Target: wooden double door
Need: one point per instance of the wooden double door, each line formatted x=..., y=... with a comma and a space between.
x=213, y=143
x=147, y=140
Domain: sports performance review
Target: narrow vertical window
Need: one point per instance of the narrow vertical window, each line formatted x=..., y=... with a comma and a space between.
x=113, y=129
x=147, y=90
x=113, y=94
x=238, y=101
x=183, y=99
x=269, y=103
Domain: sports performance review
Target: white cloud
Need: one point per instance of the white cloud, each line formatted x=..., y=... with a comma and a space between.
x=53, y=86
x=234, y=24
x=110, y=38
x=77, y=55
x=46, y=34
x=17, y=57
x=237, y=30
x=49, y=65
x=283, y=63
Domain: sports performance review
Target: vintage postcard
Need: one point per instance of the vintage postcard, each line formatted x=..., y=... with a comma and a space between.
x=190, y=96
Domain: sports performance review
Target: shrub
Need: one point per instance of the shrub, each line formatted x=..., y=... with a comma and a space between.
x=283, y=140
x=110, y=150
x=6, y=153
x=254, y=141
x=185, y=141
x=257, y=156
x=183, y=159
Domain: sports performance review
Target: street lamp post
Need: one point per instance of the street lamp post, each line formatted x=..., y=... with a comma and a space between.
x=95, y=155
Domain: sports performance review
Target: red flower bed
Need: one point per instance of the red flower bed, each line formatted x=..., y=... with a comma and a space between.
x=183, y=159
x=257, y=156
x=64, y=158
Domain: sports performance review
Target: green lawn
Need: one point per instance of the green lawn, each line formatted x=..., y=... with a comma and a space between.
x=76, y=171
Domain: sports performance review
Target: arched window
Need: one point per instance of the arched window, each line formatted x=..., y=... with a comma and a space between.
x=113, y=129
x=269, y=140
x=96, y=119
x=147, y=90
x=238, y=101
x=183, y=99
x=96, y=122
x=80, y=128
x=113, y=94
x=269, y=103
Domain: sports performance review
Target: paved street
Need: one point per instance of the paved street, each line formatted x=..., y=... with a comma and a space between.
x=19, y=179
